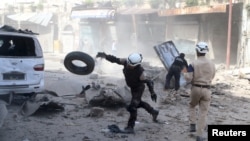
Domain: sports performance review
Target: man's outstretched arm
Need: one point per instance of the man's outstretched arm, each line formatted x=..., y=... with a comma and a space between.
x=110, y=58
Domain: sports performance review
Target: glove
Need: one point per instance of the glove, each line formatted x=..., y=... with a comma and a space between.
x=153, y=97
x=101, y=55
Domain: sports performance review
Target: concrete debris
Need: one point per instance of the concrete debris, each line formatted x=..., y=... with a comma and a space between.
x=95, y=86
x=30, y=106
x=3, y=112
x=96, y=112
x=107, y=98
x=93, y=76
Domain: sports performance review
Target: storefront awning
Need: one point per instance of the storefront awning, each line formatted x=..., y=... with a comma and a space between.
x=38, y=18
x=194, y=10
x=93, y=14
x=136, y=11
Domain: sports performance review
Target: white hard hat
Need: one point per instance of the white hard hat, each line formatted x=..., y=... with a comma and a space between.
x=202, y=47
x=134, y=59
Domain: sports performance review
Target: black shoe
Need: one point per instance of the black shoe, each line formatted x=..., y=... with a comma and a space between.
x=192, y=128
x=114, y=128
x=129, y=130
x=155, y=115
x=198, y=138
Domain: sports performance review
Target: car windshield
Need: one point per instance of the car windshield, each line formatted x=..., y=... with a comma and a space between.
x=17, y=46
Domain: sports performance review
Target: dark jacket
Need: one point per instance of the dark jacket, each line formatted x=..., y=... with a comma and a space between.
x=180, y=62
x=132, y=76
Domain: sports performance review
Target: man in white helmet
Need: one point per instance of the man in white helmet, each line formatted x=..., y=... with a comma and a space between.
x=135, y=79
x=201, y=73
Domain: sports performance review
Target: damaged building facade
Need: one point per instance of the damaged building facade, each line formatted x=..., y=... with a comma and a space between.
x=211, y=24
x=73, y=27
x=141, y=29
x=205, y=23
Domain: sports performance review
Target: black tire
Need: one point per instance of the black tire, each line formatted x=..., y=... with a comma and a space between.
x=80, y=56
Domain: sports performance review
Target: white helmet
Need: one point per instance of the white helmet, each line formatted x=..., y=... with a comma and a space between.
x=202, y=47
x=134, y=59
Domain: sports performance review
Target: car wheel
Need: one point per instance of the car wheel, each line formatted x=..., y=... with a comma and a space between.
x=79, y=56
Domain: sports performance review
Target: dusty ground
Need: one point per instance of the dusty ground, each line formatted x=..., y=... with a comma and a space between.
x=230, y=103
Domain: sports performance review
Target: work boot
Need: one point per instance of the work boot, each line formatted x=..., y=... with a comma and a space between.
x=199, y=138
x=192, y=128
x=155, y=115
x=129, y=130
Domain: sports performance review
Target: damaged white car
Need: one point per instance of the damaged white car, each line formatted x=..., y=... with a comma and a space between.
x=21, y=61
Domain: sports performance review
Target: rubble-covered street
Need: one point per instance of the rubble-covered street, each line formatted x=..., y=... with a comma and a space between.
x=80, y=121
